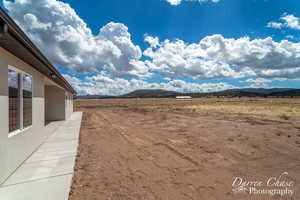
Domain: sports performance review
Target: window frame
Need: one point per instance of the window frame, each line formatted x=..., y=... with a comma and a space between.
x=21, y=106
x=31, y=79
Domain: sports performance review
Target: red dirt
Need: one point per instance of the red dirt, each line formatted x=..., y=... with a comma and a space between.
x=128, y=153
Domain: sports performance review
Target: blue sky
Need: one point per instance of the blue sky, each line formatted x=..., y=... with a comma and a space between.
x=190, y=21
x=116, y=46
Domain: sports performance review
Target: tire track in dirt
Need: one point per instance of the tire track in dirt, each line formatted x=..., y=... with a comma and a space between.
x=134, y=154
x=146, y=142
x=179, y=154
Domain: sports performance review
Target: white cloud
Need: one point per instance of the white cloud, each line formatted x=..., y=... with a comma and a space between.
x=174, y=2
x=257, y=80
x=290, y=37
x=104, y=84
x=116, y=86
x=153, y=41
x=66, y=39
x=257, y=83
x=288, y=20
x=292, y=73
x=275, y=25
x=291, y=21
x=218, y=57
x=177, y=2
x=82, y=87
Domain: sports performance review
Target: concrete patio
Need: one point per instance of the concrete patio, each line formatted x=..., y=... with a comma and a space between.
x=47, y=173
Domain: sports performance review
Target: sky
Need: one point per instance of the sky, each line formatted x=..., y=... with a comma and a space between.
x=112, y=47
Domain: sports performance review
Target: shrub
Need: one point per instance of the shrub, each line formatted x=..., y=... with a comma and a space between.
x=284, y=117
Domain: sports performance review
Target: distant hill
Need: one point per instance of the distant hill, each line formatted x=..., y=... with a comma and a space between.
x=244, y=92
x=254, y=92
x=294, y=93
x=92, y=97
x=260, y=90
x=151, y=93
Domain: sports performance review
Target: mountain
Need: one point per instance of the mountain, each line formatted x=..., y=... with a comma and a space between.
x=92, y=97
x=244, y=92
x=151, y=93
x=259, y=90
x=256, y=92
x=289, y=93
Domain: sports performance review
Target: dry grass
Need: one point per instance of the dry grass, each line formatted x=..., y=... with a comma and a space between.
x=184, y=149
x=266, y=110
x=272, y=109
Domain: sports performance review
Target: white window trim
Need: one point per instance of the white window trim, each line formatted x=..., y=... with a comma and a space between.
x=21, y=129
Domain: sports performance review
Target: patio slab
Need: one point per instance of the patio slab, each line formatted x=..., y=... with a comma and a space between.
x=42, y=169
x=54, y=188
x=48, y=172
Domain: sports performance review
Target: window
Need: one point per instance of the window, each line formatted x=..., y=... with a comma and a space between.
x=20, y=100
x=14, y=100
x=27, y=100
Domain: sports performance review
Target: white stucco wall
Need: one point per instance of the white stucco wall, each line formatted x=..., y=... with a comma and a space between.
x=14, y=150
x=3, y=117
x=58, y=103
x=54, y=103
x=69, y=104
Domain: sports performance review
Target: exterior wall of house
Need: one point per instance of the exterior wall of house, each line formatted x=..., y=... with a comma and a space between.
x=69, y=104
x=3, y=117
x=58, y=103
x=15, y=149
x=54, y=103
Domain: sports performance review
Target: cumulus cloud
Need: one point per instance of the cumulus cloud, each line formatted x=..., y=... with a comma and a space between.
x=218, y=57
x=104, y=84
x=257, y=82
x=275, y=25
x=82, y=87
x=153, y=41
x=177, y=2
x=291, y=21
x=290, y=37
x=174, y=2
x=288, y=20
x=118, y=63
x=67, y=40
x=292, y=73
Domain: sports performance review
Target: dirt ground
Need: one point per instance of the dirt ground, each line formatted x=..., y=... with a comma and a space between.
x=168, y=149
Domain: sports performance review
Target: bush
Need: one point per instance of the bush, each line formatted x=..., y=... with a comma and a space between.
x=284, y=117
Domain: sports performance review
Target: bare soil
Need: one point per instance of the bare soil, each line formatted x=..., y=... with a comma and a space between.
x=181, y=149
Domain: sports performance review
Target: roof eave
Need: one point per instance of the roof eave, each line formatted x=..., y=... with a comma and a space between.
x=9, y=27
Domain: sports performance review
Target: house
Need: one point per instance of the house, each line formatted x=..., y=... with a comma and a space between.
x=32, y=94
x=183, y=97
